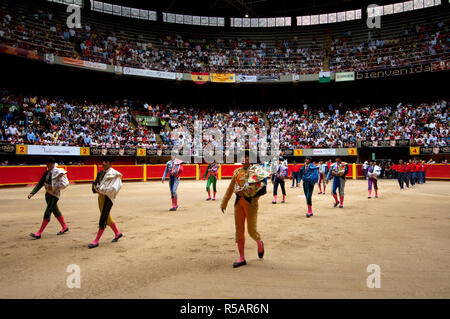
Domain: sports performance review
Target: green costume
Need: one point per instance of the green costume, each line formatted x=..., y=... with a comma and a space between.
x=52, y=201
x=53, y=191
x=212, y=170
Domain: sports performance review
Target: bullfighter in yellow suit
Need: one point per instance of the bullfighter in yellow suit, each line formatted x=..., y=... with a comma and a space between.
x=248, y=185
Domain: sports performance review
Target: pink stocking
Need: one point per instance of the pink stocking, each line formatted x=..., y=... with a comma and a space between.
x=241, y=248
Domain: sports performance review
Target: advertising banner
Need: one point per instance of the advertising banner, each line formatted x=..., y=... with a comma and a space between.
x=148, y=120
x=345, y=76
x=131, y=151
x=97, y=151
x=268, y=78
x=435, y=150
x=151, y=152
x=440, y=66
x=324, y=76
x=49, y=58
x=7, y=149
x=385, y=143
x=324, y=151
x=115, y=151
x=150, y=73
x=118, y=69
x=402, y=143
x=223, y=77
x=246, y=78
x=86, y=64
x=392, y=72
x=53, y=150
x=4, y=48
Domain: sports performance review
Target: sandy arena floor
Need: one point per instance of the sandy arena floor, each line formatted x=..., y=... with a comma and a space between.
x=189, y=253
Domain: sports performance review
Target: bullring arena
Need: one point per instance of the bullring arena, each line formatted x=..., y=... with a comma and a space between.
x=347, y=91
x=188, y=253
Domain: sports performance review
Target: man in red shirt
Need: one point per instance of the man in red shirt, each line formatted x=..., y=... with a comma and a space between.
x=295, y=172
x=394, y=170
x=410, y=172
x=329, y=164
x=422, y=172
x=415, y=172
x=401, y=174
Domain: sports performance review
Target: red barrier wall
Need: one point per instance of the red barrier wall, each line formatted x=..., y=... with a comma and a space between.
x=16, y=175
x=228, y=170
x=83, y=173
x=22, y=175
x=189, y=171
x=155, y=171
x=350, y=171
x=130, y=172
x=203, y=168
x=437, y=171
x=359, y=171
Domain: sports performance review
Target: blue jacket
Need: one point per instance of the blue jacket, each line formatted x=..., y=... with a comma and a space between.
x=172, y=169
x=311, y=174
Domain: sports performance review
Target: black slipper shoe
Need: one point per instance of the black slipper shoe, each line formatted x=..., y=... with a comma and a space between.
x=115, y=240
x=34, y=236
x=242, y=263
x=92, y=245
x=63, y=231
x=208, y=199
x=261, y=254
x=309, y=215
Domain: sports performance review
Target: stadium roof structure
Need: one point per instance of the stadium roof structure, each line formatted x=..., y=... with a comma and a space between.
x=254, y=8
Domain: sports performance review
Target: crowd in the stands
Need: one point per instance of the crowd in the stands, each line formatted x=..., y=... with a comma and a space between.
x=57, y=121
x=42, y=32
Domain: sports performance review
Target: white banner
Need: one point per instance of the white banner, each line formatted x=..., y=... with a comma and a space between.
x=50, y=58
x=53, y=150
x=95, y=65
x=118, y=69
x=86, y=64
x=324, y=151
x=345, y=76
x=246, y=78
x=150, y=73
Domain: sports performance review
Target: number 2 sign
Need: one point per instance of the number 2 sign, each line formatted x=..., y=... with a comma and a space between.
x=21, y=149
